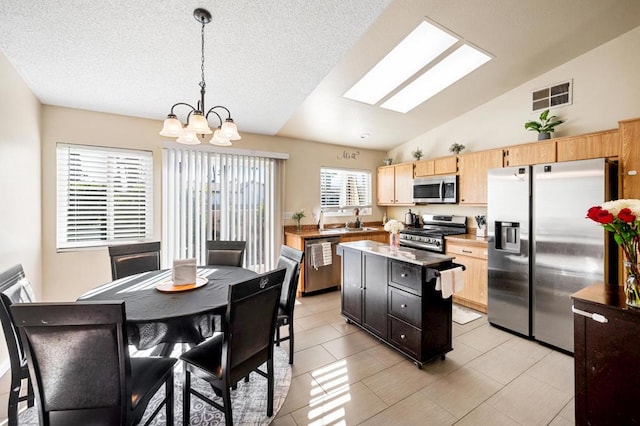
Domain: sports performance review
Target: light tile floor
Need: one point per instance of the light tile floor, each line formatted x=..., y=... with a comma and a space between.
x=343, y=376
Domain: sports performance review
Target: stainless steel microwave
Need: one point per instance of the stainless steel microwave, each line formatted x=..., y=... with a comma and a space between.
x=436, y=189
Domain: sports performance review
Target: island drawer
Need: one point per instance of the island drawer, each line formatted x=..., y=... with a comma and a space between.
x=406, y=306
x=406, y=276
x=405, y=336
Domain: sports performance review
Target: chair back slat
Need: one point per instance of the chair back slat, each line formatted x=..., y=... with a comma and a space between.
x=291, y=259
x=229, y=253
x=130, y=259
x=250, y=318
x=14, y=288
x=78, y=357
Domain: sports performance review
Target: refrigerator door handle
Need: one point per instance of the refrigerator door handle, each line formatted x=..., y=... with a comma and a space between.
x=596, y=317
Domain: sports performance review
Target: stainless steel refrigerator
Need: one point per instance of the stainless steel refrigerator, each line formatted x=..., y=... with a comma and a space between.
x=541, y=247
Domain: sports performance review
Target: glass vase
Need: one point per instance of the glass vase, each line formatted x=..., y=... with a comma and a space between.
x=632, y=285
x=394, y=241
x=298, y=225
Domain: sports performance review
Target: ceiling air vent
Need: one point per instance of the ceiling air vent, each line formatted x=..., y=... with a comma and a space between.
x=552, y=96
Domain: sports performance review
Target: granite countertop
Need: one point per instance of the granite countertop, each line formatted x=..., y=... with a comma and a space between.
x=468, y=238
x=404, y=254
x=332, y=232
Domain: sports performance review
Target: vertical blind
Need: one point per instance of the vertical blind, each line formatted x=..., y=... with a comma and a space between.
x=104, y=195
x=342, y=189
x=219, y=196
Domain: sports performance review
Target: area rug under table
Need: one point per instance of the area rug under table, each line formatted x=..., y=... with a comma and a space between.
x=463, y=316
x=249, y=401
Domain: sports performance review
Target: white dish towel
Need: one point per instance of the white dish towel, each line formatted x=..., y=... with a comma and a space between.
x=326, y=254
x=317, y=258
x=450, y=281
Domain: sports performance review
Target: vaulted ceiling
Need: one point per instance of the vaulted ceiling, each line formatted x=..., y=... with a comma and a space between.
x=282, y=67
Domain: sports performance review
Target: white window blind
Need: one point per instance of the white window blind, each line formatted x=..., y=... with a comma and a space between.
x=104, y=195
x=342, y=190
x=220, y=196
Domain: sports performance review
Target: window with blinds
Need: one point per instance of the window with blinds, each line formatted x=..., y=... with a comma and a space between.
x=342, y=190
x=104, y=195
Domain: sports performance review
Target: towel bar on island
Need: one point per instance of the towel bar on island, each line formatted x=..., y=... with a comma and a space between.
x=437, y=273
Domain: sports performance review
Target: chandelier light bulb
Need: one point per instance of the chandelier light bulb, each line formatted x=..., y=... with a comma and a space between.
x=219, y=140
x=229, y=130
x=172, y=127
x=188, y=137
x=198, y=124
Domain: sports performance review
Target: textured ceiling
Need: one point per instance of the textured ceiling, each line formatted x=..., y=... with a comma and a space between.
x=281, y=67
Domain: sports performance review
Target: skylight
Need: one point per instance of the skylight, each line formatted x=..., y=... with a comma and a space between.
x=446, y=72
x=424, y=46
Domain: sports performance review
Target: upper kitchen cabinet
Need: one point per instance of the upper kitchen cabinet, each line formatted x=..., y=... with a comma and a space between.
x=594, y=145
x=395, y=185
x=438, y=166
x=472, y=170
x=630, y=158
x=531, y=153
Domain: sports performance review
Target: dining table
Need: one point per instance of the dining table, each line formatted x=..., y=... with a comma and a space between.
x=158, y=314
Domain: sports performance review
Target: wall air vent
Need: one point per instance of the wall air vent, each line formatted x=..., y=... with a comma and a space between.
x=552, y=96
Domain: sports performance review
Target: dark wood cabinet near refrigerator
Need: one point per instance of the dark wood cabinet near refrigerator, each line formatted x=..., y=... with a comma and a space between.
x=607, y=357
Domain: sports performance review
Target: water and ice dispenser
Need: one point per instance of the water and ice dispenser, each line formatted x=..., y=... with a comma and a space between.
x=508, y=236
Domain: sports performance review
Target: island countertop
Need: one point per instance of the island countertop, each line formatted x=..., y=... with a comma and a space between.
x=403, y=254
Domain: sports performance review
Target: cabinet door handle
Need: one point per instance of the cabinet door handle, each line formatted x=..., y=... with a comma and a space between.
x=596, y=317
x=467, y=251
x=403, y=275
x=402, y=336
x=404, y=305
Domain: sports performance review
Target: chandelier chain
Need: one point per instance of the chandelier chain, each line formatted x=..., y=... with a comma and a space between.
x=202, y=83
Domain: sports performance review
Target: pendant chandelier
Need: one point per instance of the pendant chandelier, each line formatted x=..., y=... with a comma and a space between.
x=197, y=119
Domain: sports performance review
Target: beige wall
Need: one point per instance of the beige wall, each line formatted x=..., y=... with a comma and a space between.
x=71, y=273
x=606, y=88
x=20, y=213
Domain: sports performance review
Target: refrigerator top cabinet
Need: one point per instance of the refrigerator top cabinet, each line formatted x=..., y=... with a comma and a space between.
x=508, y=200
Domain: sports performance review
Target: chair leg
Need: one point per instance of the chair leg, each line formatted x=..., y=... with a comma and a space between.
x=270, y=381
x=291, y=343
x=277, y=335
x=12, y=410
x=186, y=398
x=31, y=396
x=226, y=401
x=169, y=399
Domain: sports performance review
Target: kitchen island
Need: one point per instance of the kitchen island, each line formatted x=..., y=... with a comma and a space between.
x=390, y=293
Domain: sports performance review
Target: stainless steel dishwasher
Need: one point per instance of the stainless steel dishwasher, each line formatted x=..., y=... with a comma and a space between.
x=320, y=277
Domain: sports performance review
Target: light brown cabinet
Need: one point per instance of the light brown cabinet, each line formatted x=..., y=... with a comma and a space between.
x=473, y=169
x=630, y=158
x=594, y=145
x=531, y=153
x=395, y=185
x=473, y=255
x=437, y=166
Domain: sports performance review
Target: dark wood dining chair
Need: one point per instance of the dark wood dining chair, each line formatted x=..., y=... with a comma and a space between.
x=291, y=259
x=228, y=253
x=245, y=344
x=130, y=259
x=80, y=365
x=15, y=288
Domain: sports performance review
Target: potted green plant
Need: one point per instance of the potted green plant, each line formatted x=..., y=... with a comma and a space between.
x=456, y=148
x=417, y=154
x=545, y=126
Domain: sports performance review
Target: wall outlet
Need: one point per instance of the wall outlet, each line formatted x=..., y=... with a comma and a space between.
x=288, y=215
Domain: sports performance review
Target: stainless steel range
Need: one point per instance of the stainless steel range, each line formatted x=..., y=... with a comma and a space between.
x=431, y=236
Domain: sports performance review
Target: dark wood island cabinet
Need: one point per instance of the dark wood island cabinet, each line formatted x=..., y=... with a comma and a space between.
x=606, y=356
x=391, y=294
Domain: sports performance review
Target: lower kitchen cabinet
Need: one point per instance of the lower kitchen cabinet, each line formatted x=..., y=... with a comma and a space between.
x=473, y=255
x=606, y=357
x=397, y=302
